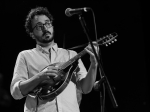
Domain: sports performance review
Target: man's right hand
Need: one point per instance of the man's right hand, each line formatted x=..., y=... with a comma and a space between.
x=48, y=73
x=43, y=77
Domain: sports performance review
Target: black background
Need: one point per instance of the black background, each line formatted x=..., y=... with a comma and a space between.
x=124, y=62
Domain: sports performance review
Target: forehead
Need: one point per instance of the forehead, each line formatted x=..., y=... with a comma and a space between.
x=39, y=18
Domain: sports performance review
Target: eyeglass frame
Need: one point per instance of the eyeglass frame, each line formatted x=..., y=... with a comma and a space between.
x=45, y=24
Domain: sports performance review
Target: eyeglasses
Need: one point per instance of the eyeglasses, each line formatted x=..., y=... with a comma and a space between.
x=40, y=26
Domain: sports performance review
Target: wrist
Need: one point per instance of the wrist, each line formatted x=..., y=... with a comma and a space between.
x=94, y=64
x=93, y=61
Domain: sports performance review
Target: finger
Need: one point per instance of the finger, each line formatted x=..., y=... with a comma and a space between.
x=53, y=67
x=51, y=71
x=95, y=43
x=95, y=47
x=91, y=53
x=51, y=74
x=90, y=50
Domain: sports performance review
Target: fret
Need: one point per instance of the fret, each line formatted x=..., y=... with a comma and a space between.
x=79, y=55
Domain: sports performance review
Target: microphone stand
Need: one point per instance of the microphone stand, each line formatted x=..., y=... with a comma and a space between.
x=102, y=74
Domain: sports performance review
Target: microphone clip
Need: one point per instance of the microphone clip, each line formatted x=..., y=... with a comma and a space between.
x=98, y=84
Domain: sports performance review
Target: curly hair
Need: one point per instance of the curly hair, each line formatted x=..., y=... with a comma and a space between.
x=32, y=14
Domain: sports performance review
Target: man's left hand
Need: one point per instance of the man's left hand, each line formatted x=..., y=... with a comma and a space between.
x=91, y=53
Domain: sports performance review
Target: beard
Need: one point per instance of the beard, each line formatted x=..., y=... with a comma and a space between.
x=46, y=38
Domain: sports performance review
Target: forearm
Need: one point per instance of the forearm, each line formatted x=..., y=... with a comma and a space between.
x=28, y=85
x=88, y=82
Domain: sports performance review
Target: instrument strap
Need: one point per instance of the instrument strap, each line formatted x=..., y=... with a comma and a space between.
x=73, y=79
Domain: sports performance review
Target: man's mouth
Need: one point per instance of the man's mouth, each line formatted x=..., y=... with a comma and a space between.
x=47, y=35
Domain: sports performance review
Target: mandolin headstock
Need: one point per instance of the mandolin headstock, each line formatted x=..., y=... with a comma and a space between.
x=108, y=39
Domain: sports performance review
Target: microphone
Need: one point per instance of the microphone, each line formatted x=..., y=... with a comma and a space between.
x=97, y=84
x=69, y=12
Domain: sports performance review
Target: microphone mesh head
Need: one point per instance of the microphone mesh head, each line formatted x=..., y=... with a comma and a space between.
x=67, y=12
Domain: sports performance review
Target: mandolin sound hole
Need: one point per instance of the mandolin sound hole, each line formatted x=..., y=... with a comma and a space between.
x=50, y=89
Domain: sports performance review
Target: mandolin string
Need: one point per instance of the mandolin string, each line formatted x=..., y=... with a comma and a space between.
x=73, y=59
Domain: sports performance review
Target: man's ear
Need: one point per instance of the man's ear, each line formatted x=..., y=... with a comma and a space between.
x=31, y=34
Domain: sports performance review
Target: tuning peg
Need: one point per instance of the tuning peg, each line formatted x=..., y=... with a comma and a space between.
x=112, y=41
x=115, y=39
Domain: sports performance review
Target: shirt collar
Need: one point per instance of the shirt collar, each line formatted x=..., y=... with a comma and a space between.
x=43, y=50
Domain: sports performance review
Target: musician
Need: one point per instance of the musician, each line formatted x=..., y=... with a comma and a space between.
x=28, y=70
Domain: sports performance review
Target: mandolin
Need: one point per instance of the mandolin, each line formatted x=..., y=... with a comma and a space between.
x=48, y=90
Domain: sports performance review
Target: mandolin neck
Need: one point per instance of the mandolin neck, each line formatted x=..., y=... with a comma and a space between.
x=79, y=55
x=102, y=41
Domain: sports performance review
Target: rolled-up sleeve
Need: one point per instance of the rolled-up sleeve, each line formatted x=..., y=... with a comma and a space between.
x=20, y=74
x=82, y=70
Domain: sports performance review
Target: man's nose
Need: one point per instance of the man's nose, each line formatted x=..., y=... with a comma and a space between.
x=44, y=27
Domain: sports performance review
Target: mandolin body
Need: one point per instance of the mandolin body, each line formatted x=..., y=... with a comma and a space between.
x=47, y=90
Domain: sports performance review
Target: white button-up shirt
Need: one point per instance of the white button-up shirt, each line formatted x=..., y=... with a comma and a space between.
x=31, y=62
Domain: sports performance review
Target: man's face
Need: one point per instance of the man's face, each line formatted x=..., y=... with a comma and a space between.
x=42, y=29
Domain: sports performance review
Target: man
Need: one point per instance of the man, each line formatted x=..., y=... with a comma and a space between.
x=28, y=71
